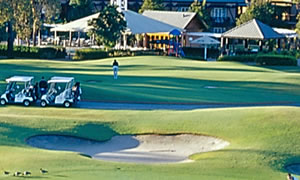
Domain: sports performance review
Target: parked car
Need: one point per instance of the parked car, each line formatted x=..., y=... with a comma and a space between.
x=19, y=89
x=61, y=91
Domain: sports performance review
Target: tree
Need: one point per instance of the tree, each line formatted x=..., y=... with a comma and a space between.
x=78, y=9
x=43, y=11
x=151, y=5
x=8, y=15
x=203, y=14
x=263, y=11
x=23, y=22
x=108, y=27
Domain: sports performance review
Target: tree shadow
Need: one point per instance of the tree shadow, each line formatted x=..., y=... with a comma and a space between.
x=13, y=135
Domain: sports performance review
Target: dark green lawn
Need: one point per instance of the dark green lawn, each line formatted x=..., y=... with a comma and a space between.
x=168, y=80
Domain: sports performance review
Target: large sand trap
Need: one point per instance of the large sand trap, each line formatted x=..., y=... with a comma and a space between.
x=138, y=149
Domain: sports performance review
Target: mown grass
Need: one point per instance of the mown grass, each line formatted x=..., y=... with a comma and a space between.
x=167, y=80
x=263, y=141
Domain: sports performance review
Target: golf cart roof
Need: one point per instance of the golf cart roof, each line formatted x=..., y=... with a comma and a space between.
x=19, y=79
x=57, y=79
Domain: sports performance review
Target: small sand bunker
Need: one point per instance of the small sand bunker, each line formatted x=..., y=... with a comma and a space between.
x=293, y=168
x=137, y=149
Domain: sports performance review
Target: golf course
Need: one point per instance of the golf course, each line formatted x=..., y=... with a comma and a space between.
x=262, y=140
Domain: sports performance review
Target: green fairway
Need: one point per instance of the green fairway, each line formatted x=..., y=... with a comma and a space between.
x=263, y=141
x=168, y=80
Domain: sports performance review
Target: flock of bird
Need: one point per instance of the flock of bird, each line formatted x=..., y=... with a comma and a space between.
x=25, y=173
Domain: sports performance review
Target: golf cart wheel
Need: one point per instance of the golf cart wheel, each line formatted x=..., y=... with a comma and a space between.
x=43, y=103
x=26, y=103
x=2, y=102
x=67, y=104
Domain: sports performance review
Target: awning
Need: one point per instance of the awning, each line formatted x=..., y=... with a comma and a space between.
x=205, y=40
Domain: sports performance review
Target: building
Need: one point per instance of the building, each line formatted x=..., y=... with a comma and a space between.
x=288, y=10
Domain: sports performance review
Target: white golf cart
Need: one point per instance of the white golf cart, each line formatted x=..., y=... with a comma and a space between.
x=60, y=92
x=19, y=89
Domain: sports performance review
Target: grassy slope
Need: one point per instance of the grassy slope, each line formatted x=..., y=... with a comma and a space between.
x=166, y=79
x=262, y=140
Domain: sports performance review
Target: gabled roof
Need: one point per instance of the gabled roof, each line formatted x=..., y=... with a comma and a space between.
x=177, y=19
x=136, y=24
x=78, y=25
x=253, y=29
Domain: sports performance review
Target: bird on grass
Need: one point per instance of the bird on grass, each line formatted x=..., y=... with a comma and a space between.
x=26, y=173
x=6, y=173
x=43, y=171
x=17, y=174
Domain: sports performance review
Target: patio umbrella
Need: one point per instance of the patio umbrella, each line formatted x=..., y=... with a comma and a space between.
x=205, y=41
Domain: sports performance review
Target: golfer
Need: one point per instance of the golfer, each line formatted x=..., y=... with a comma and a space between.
x=43, y=86
x=115, y=69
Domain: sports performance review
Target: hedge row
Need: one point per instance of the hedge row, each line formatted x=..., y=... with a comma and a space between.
x=238, y=58
x=35, y=52
x=263, y=59
x=198, y=53
x=276, y=60
x=90, y=53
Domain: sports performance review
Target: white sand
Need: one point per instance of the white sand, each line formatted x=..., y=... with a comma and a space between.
x=137, y=149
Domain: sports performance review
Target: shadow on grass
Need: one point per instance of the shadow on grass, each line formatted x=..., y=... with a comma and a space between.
x=162, y=88
x=14, y=135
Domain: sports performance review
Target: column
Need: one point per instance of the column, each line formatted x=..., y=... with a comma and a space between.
x=55, y=38
x=124, y=41
x=70, y=38
x=78, y=38
x=260, y=45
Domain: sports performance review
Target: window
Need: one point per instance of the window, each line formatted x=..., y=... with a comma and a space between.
x=219, y=29
x=219, y=14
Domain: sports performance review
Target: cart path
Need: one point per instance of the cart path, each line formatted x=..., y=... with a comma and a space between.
x=173, y=106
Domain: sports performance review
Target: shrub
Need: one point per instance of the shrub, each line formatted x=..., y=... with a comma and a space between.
x=52, y=52
x=119, y=53
x=36, y=52
x=298, y=55
x=198, y=53
x=82, y=54
x=156, y=52
x=276, y=60
x=238, y=58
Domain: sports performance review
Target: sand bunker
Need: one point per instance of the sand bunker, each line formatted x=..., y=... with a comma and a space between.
x=137, y=149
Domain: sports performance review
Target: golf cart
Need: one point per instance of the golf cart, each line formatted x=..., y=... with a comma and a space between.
x=61, y=92
x=19, y=89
